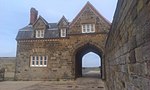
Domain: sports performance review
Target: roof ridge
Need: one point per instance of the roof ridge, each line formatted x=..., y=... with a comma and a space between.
x=88, y=4
x=63, y=17
x=40, y=17
x=99, y=13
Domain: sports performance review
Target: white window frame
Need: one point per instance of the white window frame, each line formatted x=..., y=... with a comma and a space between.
x=36, y=61
x=39, y=33
x=88, y=28
x=63, y=32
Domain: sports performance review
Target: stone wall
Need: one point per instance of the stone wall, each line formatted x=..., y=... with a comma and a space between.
x=8, y=63
x=127, y=56
x=61, y=56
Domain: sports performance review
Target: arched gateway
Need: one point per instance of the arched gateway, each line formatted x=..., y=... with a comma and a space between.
x=48, y=51
x=80, y=52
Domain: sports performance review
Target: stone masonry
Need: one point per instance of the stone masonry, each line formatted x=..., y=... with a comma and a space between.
x=127, y=57
x=7, y=68
x=61, y=51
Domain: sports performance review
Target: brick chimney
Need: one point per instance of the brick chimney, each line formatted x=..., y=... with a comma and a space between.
x=33, y=15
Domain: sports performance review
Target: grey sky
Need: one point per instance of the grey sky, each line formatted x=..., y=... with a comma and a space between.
x=91, y=60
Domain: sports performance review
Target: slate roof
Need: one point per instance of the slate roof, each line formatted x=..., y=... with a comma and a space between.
x=52, y=25
x=24, y=35
x=51, y=34
x=26, y=28
x=28, y=32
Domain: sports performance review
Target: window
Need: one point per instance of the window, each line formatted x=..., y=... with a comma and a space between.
x=45, y=60
x=92, y=28
x=39, y=33
x=83, y=28
x=33, y=60
x=63, y=32
x=88, y=28
x=39, y=61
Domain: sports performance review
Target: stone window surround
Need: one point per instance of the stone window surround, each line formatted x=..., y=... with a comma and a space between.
x=88, y=28
x=38, y=61
x=39, y=33
x=63, y=32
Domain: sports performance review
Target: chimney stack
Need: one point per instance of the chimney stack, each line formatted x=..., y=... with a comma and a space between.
x=33, y=15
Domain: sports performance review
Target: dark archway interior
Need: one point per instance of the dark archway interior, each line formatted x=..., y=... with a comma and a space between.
x=80, y=53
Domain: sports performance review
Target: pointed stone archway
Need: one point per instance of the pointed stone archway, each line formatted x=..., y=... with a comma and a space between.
x=80, y=52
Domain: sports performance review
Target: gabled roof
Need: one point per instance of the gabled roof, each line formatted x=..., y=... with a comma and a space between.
x=63, y=18
x=88, y=4
x=44, y=21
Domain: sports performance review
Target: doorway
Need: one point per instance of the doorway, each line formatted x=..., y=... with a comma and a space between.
x=79, y=65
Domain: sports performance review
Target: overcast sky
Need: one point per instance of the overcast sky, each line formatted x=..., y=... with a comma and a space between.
x=15, y=15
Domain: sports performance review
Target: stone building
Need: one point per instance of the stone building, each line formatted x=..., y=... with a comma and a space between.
x=47, y=51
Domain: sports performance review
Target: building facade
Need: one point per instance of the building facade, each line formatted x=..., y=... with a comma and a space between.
x=48, y=51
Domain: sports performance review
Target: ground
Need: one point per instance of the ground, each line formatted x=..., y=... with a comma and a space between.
x=79, y=84
x=90, y=81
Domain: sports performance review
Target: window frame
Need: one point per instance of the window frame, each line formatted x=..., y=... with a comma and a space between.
x=35, y=61
x=88, y=28
x=39, y=33
x=63, y=32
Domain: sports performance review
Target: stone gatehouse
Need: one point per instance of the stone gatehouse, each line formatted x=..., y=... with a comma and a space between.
x=48, y=51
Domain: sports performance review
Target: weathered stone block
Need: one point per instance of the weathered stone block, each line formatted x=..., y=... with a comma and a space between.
x=53, y=58
x=139, y=54
x=132, y=57
x=132, y=43
x=148, y=68
x=140, y=5
x=146, y=51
